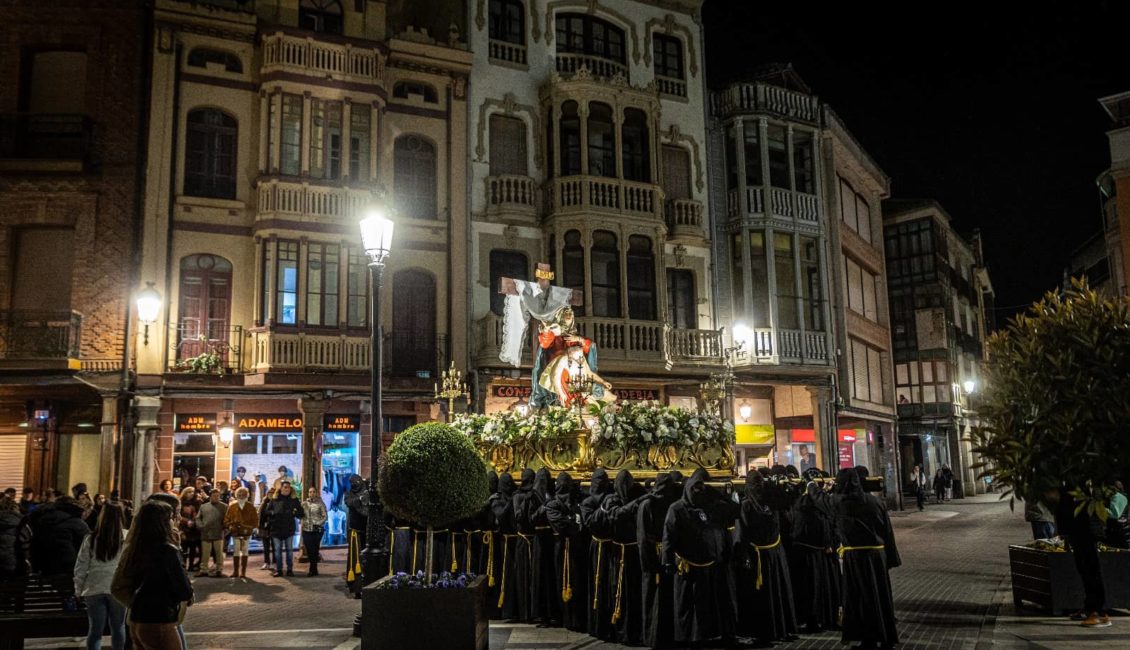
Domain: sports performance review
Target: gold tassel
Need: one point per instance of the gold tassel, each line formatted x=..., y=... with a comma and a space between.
x=567, y=590
x=488, y=537
x=451, y=541
x=351, y=576
x=467, y=566
x=391, y=548
x=596, y=582
x=502, y=589
x=619, y=585
x=415, y=545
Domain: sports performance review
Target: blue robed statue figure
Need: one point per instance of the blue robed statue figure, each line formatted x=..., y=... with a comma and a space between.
x=561, y=351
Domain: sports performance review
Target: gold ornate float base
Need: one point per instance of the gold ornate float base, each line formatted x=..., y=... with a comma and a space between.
x=575, y=454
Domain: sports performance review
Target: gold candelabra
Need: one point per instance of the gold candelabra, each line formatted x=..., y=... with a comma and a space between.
x=453, y=388
x=579, y=384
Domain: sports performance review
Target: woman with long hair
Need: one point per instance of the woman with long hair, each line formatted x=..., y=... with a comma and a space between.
x=94, y=571
x=189, y=535
x=265, y=529
x=152, y=576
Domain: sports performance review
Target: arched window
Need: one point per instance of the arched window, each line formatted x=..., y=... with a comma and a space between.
x=641, y=279
x=320, y=16
x=210, y=154
x=602, y=141
x=204, y=312
x=570, y=139
x=405, y=89
x=507, y=146
x=573, y=265
x=584, y=34
x=507, y=21
x=505, y=264
x=414, y=176
x=636, y=146
x=200, y=58
x=412, y=344
x=605, y=256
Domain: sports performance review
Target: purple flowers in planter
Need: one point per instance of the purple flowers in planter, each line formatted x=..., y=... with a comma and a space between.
x=445, y=580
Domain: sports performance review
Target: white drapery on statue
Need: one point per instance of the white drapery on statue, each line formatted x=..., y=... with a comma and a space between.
x=530, y=301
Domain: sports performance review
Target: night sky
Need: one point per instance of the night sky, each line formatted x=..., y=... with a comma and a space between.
x=992, y=110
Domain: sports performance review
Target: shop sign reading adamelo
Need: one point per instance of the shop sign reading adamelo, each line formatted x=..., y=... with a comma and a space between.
x=268, y=423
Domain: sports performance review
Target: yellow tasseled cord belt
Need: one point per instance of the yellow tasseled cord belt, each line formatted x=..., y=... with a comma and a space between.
x=415, y=545
x=567, y=588
x=847, y=549
x=354, y=556
x=596, y=581
x=467, y=551
x=757, y=550
x=505, y=547
x=620, y=580
x=684, y=566
x=659, y=554
x=488, y=539
x=391, y=549
x=451, y=543
x=815, y=548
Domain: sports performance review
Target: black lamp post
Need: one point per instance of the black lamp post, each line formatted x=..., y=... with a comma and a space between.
x=376, y=238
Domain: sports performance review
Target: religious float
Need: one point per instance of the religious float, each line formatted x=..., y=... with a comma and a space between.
x=574, y=422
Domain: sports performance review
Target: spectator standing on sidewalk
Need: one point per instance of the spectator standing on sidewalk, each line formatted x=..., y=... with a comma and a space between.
x=1081, y=532
x=265, y=529
x=282, y=511
x=1043, y=523
x=313, y=525
x=189, y=534
x=94, y=572
x=240, y=521
x=939, y=486
x=918, y=486
x=210, y=523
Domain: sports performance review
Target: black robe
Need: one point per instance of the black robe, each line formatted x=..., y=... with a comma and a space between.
x=765, y=609
x=698, y=546
x=570, y=560
x=357, y=507
x=600, y=557
x=401, y=546
x=441, y=549
x=502, y=507
x=545, y=599
x=813, y=564
x=490, y=551
x=658, y=586
x=517, y=552
x=618, y=512
x=862, y=522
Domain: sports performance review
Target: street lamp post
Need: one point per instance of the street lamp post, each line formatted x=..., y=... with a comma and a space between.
x=376, y=239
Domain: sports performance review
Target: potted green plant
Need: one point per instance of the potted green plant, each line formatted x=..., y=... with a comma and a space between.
x=1054, y=413
x=431, y=475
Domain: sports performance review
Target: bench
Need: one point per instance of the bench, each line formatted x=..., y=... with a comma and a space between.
x=32, y=607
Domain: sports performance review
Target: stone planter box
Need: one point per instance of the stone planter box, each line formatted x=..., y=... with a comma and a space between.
x=1049, y=580
x=424, y=619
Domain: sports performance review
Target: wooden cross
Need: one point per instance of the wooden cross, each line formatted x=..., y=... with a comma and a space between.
x=544, y=276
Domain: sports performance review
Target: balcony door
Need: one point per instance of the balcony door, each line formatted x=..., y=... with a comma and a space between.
x=676, y=177
x=204, y=316
x=412, y=344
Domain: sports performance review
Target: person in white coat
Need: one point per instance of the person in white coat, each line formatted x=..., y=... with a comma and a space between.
x=94, y=571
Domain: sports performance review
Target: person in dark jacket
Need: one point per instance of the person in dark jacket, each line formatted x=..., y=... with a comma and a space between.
x=283, y=510
x=13, y=557
x=868, y=553
x=813, y=565
x=765, y=592
x=658, y=585
x=570, y=552
x=152, y=581
x=698, y=548
x=357, y=508
x=57, y=531
x=618, y=512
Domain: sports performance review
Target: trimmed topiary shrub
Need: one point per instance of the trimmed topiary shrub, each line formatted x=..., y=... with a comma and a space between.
x=432, y=475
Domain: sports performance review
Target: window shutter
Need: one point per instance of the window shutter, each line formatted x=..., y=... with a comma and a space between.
x=13, y=449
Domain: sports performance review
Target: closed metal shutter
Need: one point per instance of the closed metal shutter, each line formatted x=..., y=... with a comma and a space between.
x=13, y=449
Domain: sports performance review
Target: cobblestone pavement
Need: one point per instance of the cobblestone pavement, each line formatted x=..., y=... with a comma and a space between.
x=953, y=591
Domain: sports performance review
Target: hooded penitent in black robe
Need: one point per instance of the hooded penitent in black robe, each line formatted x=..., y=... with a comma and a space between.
x=469, y=540
x=441, y=549
x=514, y=569
x=357, y=507
x=490, y=552
x=868, y=552
x=570, y=560
x=401, y=546
x=545, y=598
x=600, y=557
x=658, y=585
x=697, y=545
x=621, y=590
x=765, y=592
x=813, y=564
x=526, y=503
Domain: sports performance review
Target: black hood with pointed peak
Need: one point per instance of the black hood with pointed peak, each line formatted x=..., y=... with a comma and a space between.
x=666, y=487
x=506, y=486
x=695, y=498
x=492, y=481
x=527, y=480
x=754, y=485
x=623, y=485
x=541, y=482
x=563, y=486
x=600, y=484
x=847, y=482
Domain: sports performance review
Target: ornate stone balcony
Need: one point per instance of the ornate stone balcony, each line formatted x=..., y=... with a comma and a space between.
x=505, y=52
x=685, y=218
x=511, y=195
x=671, y=86
x=311, y=57
x=610, y=196
x=405, y=354
x=761, y=97
x=286, y=199
x=569, y=64
x=781, y=203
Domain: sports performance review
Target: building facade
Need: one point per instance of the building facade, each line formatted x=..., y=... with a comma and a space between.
x=281, y=124
x=71, y=124
x=1114, y=191
x=588, y=154
x=941, y=310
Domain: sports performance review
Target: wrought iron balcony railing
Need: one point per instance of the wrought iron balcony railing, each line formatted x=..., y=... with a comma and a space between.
x=206, y=349
x=45, y=136
x=40, y=335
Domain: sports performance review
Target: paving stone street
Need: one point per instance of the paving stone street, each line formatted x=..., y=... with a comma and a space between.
x=953, y=591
